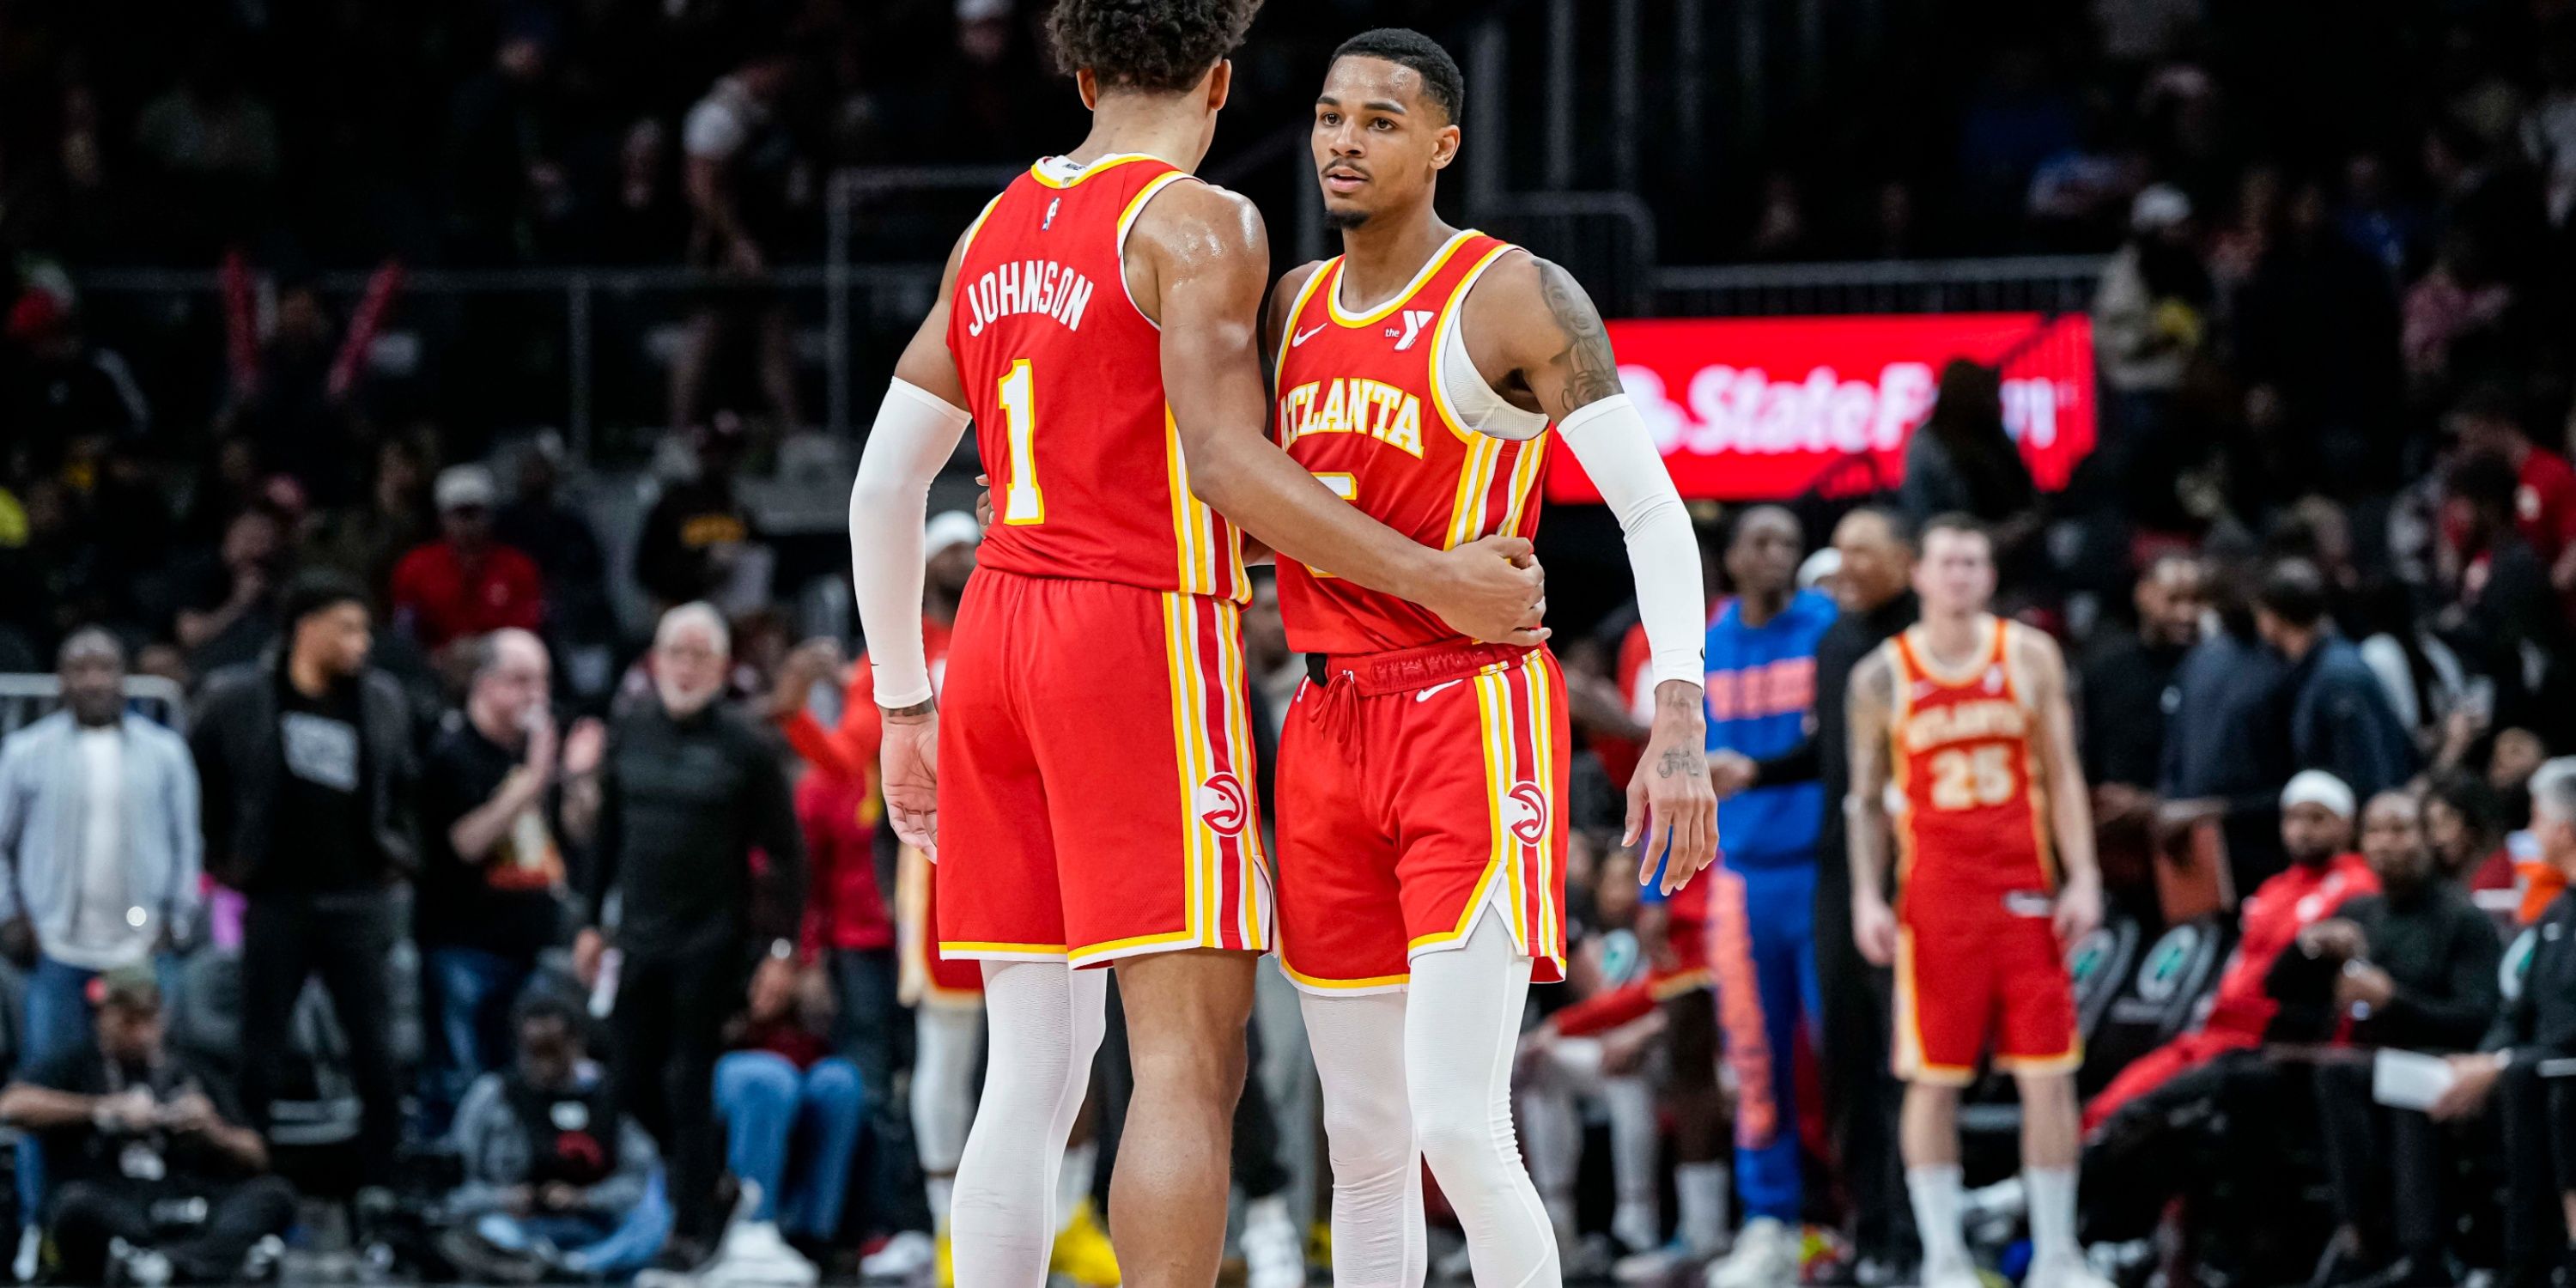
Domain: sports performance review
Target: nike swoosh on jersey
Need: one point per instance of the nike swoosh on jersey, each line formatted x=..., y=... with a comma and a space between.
x=1302, y=337
x=1425, y=695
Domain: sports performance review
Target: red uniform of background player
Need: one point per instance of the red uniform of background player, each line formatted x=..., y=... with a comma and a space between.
x=1961, y=737
x=1101, y=322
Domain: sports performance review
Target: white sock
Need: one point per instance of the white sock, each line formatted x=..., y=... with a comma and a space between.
x=2052, y=1213
x=942, y=1189
x=1046, y=1023
x=1634, y=1138
x=1073, y=1180
x=1267, y=1211
x=1701, y=1187
x=1935, y=1191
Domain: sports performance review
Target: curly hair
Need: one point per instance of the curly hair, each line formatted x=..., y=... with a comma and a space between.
x=1158, y=46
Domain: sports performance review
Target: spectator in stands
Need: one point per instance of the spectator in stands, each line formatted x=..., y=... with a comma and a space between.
x=793, y=1113
x=2227, y=747
x=742, y=171
x=56, y=390
x=2126, y=676
x=539, y=523
x=2523, y=1062
x=2149, y=1131
x=135, y=1134
x=306, y=763
x=2503, y=618
x=367, y=540
x=1761, y=666
x=2488, y=421
x=2340, y=717
x=1962, y=460
x=643, y=221
x=2150, y=322
x=1876, y=595
x=466, y=583
x=509, y=185
x=231, y=614
x=2313, y=327
x=492, y=880
x=697, y=536
x=2464, y=827
x=557, y=1180
x=2414, y=968
x=685, y=796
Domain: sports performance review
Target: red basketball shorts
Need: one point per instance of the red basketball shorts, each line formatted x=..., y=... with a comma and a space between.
x=1095, y=776
x=1980, y=970
x=1417, y=790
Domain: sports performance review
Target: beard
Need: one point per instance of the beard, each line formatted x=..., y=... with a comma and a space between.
x=1342, y=221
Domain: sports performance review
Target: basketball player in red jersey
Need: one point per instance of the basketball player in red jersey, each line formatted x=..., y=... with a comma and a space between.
x=1966, y=714
x=1100, y=324
x=1424, y=375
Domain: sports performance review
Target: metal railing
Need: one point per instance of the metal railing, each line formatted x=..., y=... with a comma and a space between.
x=28, y=698
x=2034, y=283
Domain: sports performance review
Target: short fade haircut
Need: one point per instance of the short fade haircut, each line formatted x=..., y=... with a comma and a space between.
x=1155, y=46
x=2294, y=591
x=1954, y=521
x=1405, y=47
x=2553, y=788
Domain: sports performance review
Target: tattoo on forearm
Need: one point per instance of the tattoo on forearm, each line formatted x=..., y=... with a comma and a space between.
x=1589, y=367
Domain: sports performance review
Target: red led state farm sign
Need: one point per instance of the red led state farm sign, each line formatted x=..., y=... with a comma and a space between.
x=1768, y=408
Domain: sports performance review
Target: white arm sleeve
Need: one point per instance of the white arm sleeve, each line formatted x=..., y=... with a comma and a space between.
x=915, y=433
x=1612, y=442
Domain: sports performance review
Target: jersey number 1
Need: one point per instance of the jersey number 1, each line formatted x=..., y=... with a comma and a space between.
x=1022, y=502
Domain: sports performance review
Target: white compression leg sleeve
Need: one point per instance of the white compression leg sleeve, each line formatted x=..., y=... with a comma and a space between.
x=1378, y=1233
x=1046, y=1023
x=1462, y=1029
x=948, y=1040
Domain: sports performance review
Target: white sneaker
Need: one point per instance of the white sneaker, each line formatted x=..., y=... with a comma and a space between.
x=1637, y=1227
x=1273, y=1256
x=1655, y=1265
x=1765, y=1256
x=140, y=1267
x=903, y=1256
x=754, y=1255
x=2064, y=1271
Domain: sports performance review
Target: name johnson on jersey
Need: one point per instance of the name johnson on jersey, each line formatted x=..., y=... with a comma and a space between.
x=1354, y=405
x=1027, y=286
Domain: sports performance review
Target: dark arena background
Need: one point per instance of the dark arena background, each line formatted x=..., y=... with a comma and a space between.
x=406, y=404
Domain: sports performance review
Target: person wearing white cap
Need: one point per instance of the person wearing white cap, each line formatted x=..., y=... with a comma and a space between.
x=466, y=583
x=2136, y=1113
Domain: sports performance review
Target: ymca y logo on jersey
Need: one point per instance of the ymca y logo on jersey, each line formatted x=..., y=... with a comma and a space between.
x=1414, y=321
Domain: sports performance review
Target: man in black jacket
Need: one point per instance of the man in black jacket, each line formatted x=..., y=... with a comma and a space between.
x=307, y=770
x=2340, y=718
x=1860, y=1093
x=2413, y=968
x=2524, y=1061
x=685, y=795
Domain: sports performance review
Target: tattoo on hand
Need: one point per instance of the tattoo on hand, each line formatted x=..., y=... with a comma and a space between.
x=1681, y=760
x=1592, y=369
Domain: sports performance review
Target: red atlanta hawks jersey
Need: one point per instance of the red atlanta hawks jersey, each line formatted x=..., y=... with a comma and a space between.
x=1064, y=376
x=1361, y=405
x=1975, y=816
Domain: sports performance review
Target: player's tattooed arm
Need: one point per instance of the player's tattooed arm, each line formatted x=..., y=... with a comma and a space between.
x=1537, y=338
x=1869, y=707
x=2070, y=805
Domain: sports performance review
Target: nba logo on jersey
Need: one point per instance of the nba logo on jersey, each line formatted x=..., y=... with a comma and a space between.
x=1049, y=221
x=1995, y=679
x=1414, y=321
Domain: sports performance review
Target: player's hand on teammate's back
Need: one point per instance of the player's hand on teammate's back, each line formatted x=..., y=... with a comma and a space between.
x=1493, y=591
x=1672, y=804
x=2079, y=908
x=1874, y=928
x=911, y=766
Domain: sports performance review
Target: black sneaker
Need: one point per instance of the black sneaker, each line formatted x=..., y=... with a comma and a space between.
x=474, y=1257
x=678, y=1265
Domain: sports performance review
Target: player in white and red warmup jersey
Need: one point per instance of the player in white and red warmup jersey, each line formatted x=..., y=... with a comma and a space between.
x=1424, y=375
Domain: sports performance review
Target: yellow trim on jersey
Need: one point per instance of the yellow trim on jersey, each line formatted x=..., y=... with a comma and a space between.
x=1288, y=334
x=1098, y=165
x=1543, y=699
x=1493, y=722
x=1378, y=982
x=1449, y=311
x=1400, y=298
x=2068, y=1062
x=1910, y=1064
x=1136, y=204
x=967, y=946
x=1679, y=983
x=1189, y=733
x=968, y=243
x=1475, y=484
x=1090, y=953
x=1993, y=654
x=1238, y=741
x=1524, y=482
